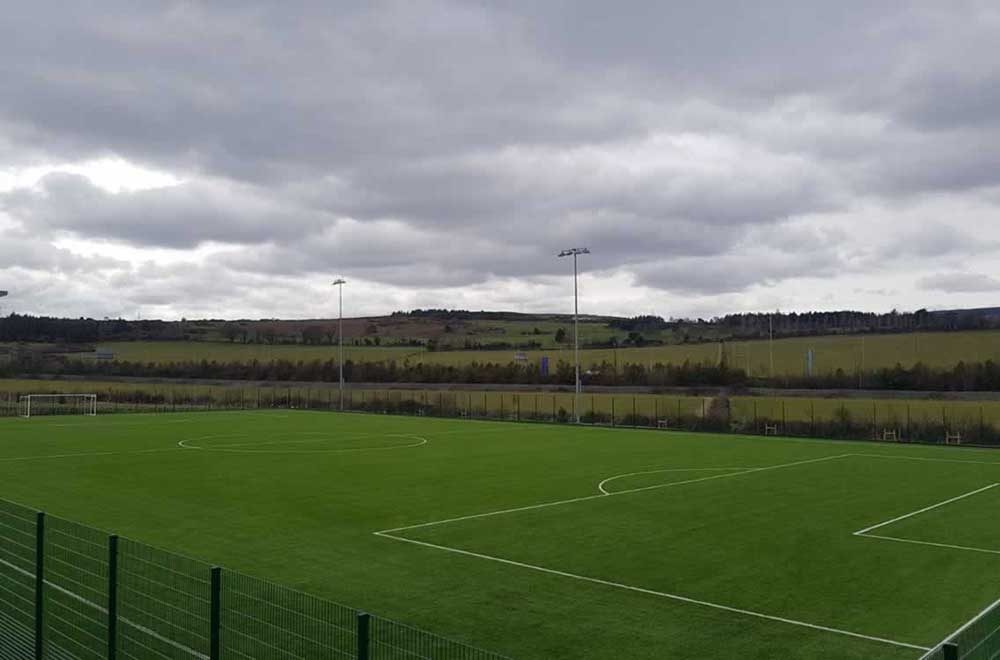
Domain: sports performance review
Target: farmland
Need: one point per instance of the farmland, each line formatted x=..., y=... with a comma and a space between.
x=831, y=352
x=186, y=351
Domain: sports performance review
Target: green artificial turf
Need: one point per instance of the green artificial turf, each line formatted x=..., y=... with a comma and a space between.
x=692, y=526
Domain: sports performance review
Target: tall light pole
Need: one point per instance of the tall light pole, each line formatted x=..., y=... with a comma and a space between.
x=575, y=252
x=770, y=343
x=339, y=283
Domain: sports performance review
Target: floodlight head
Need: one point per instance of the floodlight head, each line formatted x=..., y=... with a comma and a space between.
x=339, y=281
x=573, y=251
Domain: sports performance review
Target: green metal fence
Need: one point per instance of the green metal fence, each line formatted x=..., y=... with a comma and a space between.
x=903, y=420
x=979, y=639
x=68, y=591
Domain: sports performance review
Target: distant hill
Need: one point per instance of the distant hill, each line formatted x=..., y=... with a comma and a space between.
x=991, y=313
x=450, y=329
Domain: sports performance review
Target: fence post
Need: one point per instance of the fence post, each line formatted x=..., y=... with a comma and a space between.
x=635, y=419
x=364, y=635
x=215, y=615
x=950, y=650
x=112, y=597
x=39, y=585
x=612, y=410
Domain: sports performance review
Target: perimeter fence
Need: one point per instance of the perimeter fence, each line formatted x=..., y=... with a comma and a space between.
x=68, y=591
x=979, y=639
x=901, y=420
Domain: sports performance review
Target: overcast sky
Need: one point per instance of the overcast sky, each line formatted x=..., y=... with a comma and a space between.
x=230, y=159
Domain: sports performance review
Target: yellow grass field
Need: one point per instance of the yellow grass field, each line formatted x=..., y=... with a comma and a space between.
x=831, y=352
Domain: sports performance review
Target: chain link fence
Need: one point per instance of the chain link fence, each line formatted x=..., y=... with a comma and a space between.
x=71, y=592
x=979, y=639
x=919, y=420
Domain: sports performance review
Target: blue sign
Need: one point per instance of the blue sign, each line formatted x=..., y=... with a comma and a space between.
x=545, y=366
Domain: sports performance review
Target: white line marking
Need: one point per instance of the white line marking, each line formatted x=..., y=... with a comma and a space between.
x=931, y=543
x=79, y=454
x=420, y=442
x=661, y=594
x=964, y=627
x=931, y=460
x=864, y=531
x=601, y=488
x=614, y=494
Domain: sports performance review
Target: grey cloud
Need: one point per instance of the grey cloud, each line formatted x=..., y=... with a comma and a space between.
x=441, y=143
x=178, y=216
x=960, y=282
x=935, y=240
x=735, y=273
x=32, y=254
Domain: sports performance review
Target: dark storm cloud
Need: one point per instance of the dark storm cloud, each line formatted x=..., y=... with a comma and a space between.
x=440, y=143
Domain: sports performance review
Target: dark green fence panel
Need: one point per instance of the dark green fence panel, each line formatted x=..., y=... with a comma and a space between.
x=163, y=604
x=75, y=591
x=980, y=638
x=395, y=641
x=265, y=621
x=17, y=581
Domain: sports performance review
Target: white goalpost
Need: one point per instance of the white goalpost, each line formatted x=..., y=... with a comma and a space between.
x=34, y=405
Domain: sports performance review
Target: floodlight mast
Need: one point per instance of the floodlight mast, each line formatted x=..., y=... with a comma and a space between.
x=339, y=283
x=576, y=252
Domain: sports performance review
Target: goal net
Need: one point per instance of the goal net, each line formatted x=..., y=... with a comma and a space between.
x=35, y=405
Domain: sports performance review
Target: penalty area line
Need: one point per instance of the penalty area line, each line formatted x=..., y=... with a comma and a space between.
x=601, y=485
x=863, y=532
x=86, y=454
x=950, y=546
x=659, y=594
x=616, y=493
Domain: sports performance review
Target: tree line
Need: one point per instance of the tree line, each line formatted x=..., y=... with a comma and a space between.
x=963, y=377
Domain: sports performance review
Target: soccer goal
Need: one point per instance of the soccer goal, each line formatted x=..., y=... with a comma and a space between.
x=34, y=405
